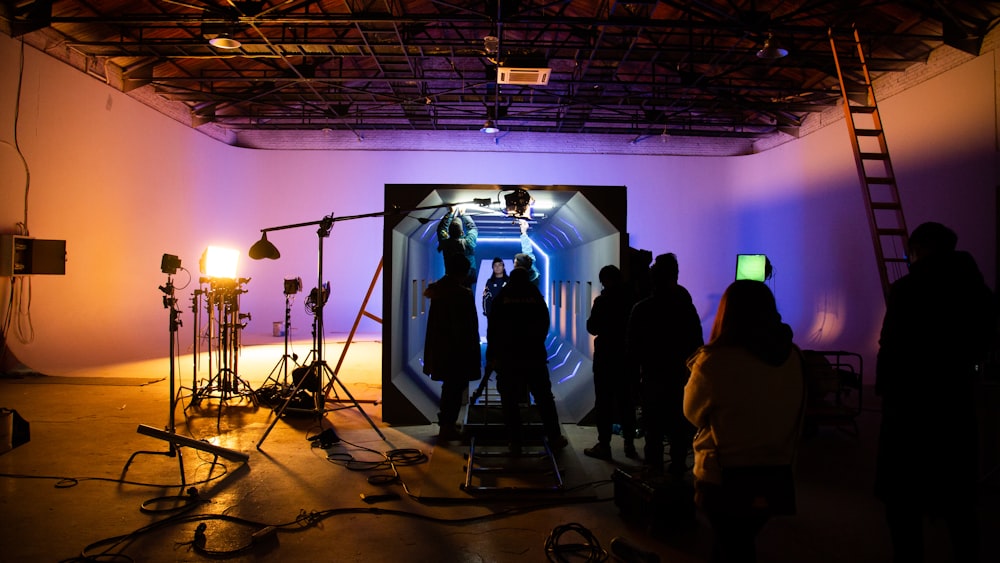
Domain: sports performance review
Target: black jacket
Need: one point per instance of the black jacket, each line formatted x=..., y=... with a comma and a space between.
x=451, y=343
x=518, y=325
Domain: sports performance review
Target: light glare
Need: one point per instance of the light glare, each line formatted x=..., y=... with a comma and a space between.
x=220, y=262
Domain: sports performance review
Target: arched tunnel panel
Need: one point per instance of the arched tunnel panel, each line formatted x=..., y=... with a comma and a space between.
x=574, y=232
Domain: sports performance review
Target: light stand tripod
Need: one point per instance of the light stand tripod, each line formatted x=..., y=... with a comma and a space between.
x=318, y=368
x=226, y=383
x=272, y=389
x=264, y=249
x=169, y=266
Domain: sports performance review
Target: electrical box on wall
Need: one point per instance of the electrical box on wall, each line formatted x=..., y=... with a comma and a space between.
x=26, y=256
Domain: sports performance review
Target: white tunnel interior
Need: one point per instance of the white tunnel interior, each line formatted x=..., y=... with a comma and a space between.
x=575, y=231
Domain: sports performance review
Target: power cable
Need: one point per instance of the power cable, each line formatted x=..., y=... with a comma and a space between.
x=589, y=549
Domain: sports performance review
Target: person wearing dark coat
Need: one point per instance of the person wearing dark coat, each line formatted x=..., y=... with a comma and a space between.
x=940, y=320
x=616, y=378
x=458, y=234
x=664, y=330
x=451, y=342
x=516, y=332
x=494, y=284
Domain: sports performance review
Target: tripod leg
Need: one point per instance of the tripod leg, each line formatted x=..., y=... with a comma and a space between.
x=357, y=405
x=284, y=405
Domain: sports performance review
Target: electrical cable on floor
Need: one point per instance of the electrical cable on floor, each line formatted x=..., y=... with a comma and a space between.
x=63, y=482
x=303, y=521
x=590, y=549
x=179, y=502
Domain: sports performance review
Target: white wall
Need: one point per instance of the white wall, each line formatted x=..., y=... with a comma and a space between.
x=124, y=185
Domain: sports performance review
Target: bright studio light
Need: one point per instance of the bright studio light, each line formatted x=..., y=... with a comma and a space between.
x=219, y=262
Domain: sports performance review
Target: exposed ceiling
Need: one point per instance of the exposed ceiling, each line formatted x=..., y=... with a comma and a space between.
x=630, y=69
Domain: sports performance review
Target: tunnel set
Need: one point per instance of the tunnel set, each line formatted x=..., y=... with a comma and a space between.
x=574, y=230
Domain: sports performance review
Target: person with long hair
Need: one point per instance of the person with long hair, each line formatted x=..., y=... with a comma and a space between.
x=746, y=397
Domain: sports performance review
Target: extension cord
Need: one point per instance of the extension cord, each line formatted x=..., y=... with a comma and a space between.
x=630, y=553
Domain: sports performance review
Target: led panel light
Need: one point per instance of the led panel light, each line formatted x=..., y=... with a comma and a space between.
x=219, y=262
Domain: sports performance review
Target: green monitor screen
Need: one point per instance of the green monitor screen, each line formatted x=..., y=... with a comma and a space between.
x=751, y=267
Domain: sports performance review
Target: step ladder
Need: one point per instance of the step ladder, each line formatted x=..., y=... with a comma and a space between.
x=878, y=182
x=490, y=465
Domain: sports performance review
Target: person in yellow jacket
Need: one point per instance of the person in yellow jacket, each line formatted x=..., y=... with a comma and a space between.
x=745, y=396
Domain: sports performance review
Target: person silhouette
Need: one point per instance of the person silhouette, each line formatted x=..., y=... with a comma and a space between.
x=515, y=348
x=746, y=397
x=457, y=233
x=663, y=331
x=451, y=341
x=940, y=319
x=616, y=377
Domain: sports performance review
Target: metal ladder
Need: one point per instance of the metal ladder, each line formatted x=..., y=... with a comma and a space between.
x=878, y=182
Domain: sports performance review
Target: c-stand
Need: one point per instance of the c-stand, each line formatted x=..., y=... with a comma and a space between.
x=318, y=371
x=318, y=368
x=223, y=298
x=169, y=266
x=272, y=389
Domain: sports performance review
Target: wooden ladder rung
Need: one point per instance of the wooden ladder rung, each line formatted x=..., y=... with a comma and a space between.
x=874, y=155
x=882, y=180
x=886, y=205
x=891, y=232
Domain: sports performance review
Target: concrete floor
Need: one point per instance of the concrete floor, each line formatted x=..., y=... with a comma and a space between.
x=66, y=494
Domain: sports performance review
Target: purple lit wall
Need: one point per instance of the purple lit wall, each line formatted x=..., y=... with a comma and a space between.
x=123, y=185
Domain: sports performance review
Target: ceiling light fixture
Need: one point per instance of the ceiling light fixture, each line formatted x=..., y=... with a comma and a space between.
x=490, y=127
x=771, y=49
x=224, y=41
x=491, y=44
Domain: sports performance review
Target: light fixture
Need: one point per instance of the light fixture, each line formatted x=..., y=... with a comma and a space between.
x=169, y=264
x=293, y=285
x=491, y=44
x=224, y=41
x=490, y=127
x=219, y=262
x=771, y=49
x=519, y=204
x=264, y=249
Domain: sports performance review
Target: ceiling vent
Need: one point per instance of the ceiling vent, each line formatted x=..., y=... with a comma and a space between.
x=526, y=76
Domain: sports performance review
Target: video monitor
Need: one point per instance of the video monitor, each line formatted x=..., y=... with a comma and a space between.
x=751, y=267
